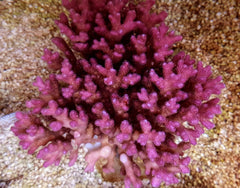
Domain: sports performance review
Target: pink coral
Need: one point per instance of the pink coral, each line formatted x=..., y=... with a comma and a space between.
x=126, y=92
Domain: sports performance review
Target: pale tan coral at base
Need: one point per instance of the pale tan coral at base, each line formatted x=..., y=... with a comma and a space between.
x=211, y=32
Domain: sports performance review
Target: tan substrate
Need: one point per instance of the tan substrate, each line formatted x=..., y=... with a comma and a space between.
x=211, y=34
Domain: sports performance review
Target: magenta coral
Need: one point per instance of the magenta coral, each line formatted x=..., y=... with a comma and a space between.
x=119, y=85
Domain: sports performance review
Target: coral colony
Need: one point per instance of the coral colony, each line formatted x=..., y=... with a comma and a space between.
x=118, y=85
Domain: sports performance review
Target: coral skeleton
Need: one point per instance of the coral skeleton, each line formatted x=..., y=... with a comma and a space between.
x=118, y=84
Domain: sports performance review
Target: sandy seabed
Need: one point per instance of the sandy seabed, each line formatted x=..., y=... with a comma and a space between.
x=211, y=32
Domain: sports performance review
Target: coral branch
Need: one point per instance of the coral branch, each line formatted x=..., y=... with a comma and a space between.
x=118, y=87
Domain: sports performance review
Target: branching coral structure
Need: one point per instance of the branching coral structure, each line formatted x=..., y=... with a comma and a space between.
x=118, y=84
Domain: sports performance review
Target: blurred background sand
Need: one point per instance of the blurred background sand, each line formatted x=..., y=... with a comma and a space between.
x=211, y=32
